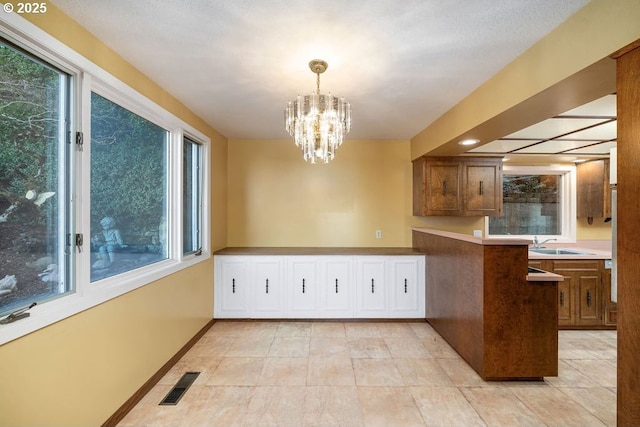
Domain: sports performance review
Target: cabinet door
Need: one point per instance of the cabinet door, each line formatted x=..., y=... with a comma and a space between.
x=231, y=287
x=579, y=293
x=590, y=194
x=443, y=196
x=371, y=289
x=406, y=288
x=336, y=287
x=483, y=193
x=589, y=311
x=267, y=287
x=566, y=311
x=302, y=290
x=610, y=308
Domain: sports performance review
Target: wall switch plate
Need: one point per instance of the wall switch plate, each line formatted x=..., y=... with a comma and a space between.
x=378, y=234
x=477, y=233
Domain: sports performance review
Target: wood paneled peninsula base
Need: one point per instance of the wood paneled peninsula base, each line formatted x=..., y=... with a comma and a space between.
x=483, y=301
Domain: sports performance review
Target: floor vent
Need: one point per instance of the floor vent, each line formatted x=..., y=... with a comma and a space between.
x=173, y=397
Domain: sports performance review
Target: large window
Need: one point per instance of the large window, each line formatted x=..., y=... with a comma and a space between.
x=192, y=195
x=34, y=107
x=101, y=191
x=128, y=190
x=537, y=201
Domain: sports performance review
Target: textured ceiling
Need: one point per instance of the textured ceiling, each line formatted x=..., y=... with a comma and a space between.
x=401, y=64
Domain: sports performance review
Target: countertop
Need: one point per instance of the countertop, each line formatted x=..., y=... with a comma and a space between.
x=594, y=249
x=317, y=251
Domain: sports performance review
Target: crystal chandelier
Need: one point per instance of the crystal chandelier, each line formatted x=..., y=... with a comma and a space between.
x=318, y=122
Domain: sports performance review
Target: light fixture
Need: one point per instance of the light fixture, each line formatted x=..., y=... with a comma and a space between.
x=469, y=141
x=318, y=123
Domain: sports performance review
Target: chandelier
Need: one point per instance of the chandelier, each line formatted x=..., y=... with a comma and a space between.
x=318, y=122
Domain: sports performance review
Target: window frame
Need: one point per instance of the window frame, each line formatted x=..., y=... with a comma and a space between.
x=197, y=203
x=567, y=201
x=88, y=77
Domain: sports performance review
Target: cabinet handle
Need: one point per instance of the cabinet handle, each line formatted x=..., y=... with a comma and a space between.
x=405, y=286
x=373, y=286
x=480, y=189
x=303, y=285
x=266, y=285
x=561, y=298
x=588, y=298
x=336, y=286
x=444, y=187
x=233, y=286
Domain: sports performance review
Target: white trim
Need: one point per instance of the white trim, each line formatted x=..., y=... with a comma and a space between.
x=89, y=77
x=568, y=200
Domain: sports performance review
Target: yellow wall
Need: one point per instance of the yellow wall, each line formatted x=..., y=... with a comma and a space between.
x=80, y=370
x=277, y=199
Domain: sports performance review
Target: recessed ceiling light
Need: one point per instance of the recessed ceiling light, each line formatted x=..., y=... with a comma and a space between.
x=469, y=141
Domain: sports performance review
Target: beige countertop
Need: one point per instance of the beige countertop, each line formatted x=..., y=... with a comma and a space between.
x=317, y=251
x=592, y=249
x=472, y=239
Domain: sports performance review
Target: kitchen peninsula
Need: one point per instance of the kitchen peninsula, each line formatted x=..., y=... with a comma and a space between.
x=481, y=298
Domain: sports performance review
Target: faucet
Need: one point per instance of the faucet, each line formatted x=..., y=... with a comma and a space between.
x=537, y=244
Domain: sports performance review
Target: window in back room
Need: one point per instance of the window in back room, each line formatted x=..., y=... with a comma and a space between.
x=537, y=201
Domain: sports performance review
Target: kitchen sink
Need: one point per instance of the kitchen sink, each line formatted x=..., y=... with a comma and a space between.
x=557, y=251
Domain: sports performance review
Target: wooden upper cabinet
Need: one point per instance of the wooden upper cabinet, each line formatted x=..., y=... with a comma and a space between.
x=484, y=188
x=443, y=196
x=457, y=186
x=593, y=192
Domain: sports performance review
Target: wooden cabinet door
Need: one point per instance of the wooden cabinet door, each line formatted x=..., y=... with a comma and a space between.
x=579, y=301
x=589, y=304
x=610, y=315
x=267, y=287
x=590, y=195
x=483, y=189
x=566, y=311
x=442, y=191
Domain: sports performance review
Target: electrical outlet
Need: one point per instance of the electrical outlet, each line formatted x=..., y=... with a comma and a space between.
x=378, y=234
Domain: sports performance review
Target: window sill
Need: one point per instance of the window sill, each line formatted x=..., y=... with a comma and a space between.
x=92, y=295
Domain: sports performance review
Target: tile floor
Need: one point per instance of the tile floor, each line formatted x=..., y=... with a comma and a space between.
x=373, y=374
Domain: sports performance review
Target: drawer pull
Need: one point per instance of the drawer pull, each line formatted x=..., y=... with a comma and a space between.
x=266, y=285
x=405, y=286
x=336, y=286
x=373, y=286
x=233, y=286
x=303, y=285
x=561, y=298
x=480, y=190
x=588, y=298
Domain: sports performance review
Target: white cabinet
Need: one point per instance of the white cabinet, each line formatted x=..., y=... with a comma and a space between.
x=323, y=286
x=231, y=287
x=267, y=287
x=371, y=287
x=302, y=287
x=336, y=286
x=406, y=287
